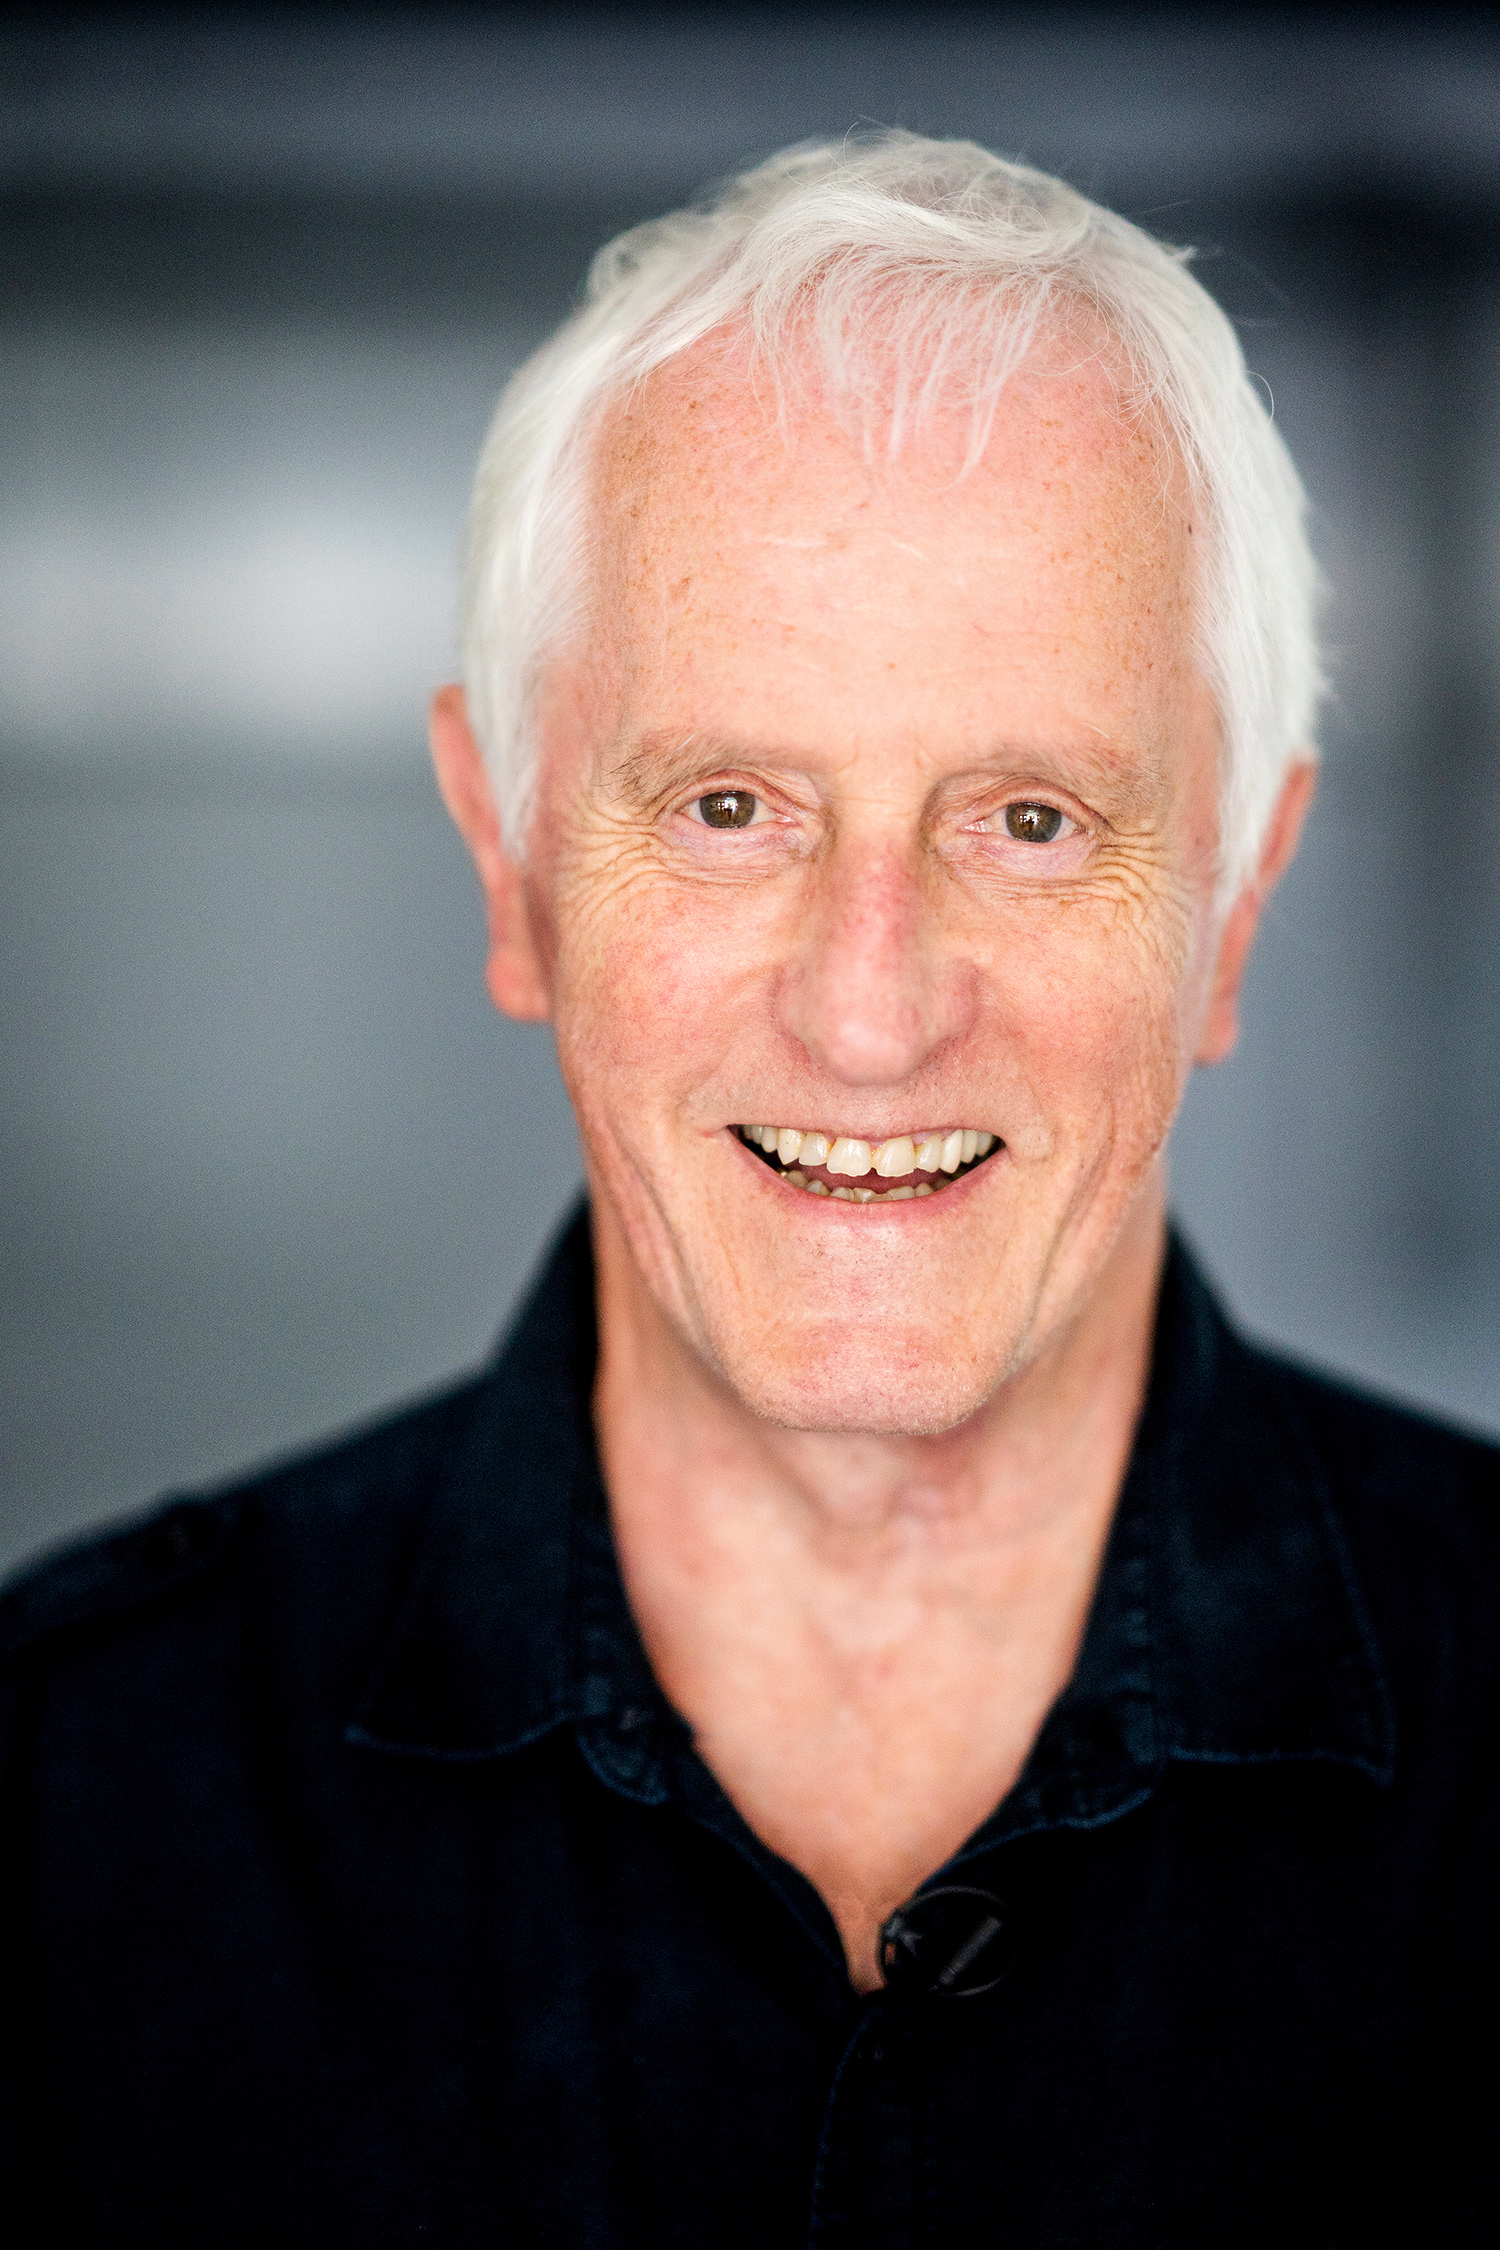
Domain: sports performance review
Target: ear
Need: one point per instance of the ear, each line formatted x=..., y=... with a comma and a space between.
x=513, y=971
x=1221, y=1022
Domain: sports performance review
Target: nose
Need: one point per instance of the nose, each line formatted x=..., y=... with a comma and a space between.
x=871, y=990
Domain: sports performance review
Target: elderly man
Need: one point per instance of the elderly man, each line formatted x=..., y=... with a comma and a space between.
x=879, y=1719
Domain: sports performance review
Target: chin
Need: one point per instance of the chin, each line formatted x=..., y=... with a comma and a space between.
x=907, y=1392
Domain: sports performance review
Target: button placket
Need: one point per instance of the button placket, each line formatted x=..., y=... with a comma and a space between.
x=873, y=2184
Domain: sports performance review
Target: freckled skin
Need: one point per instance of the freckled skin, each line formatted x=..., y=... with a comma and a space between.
x=884, y=657
x=862, y=1461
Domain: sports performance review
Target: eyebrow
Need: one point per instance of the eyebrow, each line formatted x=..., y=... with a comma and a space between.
x=657, y=765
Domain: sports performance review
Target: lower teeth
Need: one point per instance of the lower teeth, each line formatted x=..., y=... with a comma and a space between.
x=862, y=1195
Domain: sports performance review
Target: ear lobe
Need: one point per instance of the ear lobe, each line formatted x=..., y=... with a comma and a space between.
x=1221, y=1022
x=513, y=973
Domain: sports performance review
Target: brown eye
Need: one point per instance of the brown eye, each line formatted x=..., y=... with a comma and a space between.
x=1033, y=824
x=727, y=808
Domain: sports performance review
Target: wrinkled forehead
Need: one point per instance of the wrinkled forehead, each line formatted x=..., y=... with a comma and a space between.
x=758, y=556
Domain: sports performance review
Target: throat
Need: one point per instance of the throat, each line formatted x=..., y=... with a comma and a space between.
x=869, y=1795
x=865, y=1697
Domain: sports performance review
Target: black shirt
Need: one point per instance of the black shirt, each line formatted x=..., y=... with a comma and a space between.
x=361, y=1888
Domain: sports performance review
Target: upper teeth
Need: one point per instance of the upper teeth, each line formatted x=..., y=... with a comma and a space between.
x=891, y=1160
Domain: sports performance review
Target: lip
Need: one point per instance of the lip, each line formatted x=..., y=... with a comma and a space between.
x=828, y=1209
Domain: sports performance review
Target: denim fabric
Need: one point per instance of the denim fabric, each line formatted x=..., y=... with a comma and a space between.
x=361, y=1887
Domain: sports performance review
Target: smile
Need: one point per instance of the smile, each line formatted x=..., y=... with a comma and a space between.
x=826, y=1163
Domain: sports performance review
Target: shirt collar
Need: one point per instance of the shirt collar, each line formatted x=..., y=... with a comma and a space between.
x=1228, y=1627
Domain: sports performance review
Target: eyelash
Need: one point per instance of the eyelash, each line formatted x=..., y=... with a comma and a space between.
x=996, y=823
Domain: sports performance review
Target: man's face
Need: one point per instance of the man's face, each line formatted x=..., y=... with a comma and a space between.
x=881, y=809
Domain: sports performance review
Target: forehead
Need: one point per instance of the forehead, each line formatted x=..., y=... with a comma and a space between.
x=786, y=564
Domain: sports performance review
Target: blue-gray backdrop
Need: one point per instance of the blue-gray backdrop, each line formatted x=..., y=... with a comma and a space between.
x=268, y=1157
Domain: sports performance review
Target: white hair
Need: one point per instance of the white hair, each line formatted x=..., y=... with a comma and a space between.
x=910, y=265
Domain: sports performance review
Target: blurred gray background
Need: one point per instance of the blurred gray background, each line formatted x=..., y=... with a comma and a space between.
x=269, y=1159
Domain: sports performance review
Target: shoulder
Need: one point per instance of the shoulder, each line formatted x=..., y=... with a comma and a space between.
x=1388, y=1458
x=344, y=1512
x=1415, y=1502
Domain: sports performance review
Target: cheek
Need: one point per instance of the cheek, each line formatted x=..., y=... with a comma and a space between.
x=656, y=984
x=1093, y=997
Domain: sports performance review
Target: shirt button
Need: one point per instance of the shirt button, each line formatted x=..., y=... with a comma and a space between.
x=952, y=1941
